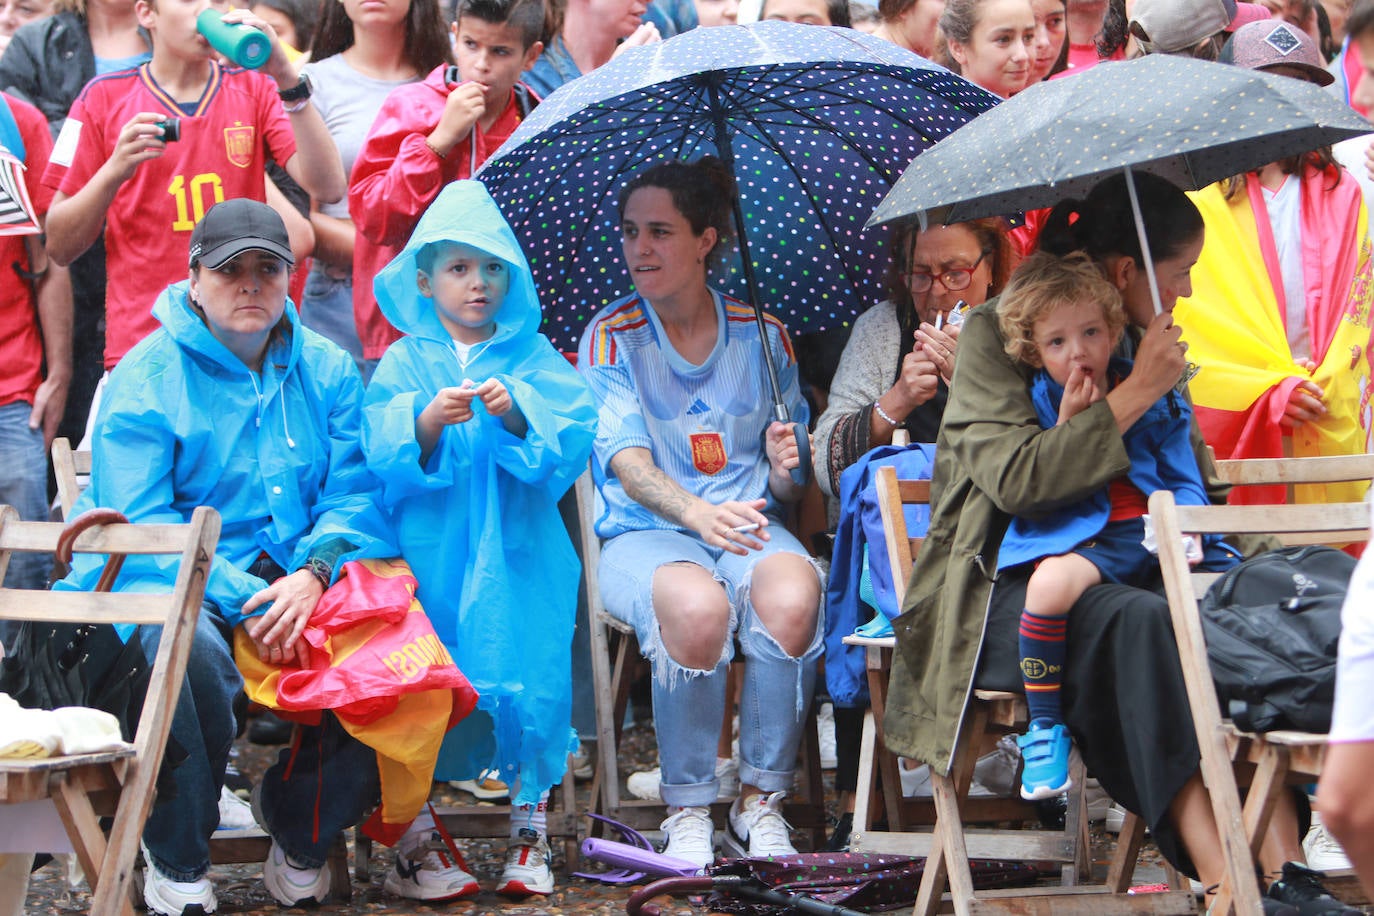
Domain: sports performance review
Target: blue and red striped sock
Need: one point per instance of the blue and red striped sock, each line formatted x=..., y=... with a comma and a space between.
x=1042, y=664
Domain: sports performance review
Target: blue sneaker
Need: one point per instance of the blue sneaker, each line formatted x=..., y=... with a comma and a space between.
x=1045, y=751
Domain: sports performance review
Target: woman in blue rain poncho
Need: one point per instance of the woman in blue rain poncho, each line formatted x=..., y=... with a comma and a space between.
x=232, y=404
x=475, y=495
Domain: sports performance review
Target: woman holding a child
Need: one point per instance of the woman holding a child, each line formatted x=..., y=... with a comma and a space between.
x=694, y=482
x=1123, y=697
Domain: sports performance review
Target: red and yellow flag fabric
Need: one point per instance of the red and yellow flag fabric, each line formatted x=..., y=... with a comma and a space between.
x=1236, y=332
x=376, y=662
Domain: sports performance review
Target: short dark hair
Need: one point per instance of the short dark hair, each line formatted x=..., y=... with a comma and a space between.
x=1361, y=18
x=836, y=10
x=535, y=20
x=702, y=191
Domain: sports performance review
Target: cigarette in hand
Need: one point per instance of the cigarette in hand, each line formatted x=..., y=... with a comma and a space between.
x=741, y=529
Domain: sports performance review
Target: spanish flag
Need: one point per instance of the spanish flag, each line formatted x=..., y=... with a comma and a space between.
x=375, y=661
x=1235, y=329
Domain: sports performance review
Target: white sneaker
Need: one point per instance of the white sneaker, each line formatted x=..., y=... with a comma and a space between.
x=690, y=836
x=1116, y=820
x=999, y=770
x=757, y=828
x=1322, y=850
x=166, y=897
x=430, y=870
x=527, y=870
x=291, y=885
x=1096, y=800
x=486, y=787
x=916, y=783
x=825, y=733
x=582, y=765
x=645, y=784
x=234, y=812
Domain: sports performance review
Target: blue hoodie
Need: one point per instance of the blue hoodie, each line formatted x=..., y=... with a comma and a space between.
x=183, y=423
x=479, y=521
x=1162, y=458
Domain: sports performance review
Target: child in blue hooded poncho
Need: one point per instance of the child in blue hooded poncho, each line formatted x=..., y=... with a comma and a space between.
x=476, y=427
x=1062, y=316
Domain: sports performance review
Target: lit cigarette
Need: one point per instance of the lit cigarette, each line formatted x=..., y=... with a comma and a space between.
x=741, y=529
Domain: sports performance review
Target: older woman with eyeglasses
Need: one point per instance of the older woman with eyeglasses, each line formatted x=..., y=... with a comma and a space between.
x=896, y=367
x=895, y=372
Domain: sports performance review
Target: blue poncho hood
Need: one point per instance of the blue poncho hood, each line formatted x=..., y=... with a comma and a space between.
x=463, y=212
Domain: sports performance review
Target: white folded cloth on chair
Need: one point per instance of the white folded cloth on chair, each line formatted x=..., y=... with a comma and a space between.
x=53, y=732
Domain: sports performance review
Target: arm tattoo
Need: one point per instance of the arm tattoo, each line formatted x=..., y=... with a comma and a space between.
x=646, y=484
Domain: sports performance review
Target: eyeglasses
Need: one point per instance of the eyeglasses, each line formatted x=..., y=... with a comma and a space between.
x=954, y=279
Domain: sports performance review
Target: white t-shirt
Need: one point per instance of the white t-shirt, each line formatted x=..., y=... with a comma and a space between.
x=1285, y=220
x=348, y=101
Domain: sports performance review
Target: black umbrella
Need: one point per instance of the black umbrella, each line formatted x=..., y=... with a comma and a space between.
x=1189, y=121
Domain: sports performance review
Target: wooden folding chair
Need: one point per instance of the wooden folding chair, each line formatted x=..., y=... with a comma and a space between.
x=1271, y=760
x=69, y=468
x=82, y=788
x=614, y=648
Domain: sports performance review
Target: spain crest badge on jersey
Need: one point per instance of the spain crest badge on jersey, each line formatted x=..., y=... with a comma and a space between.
x=708, y=452
x=238, y=144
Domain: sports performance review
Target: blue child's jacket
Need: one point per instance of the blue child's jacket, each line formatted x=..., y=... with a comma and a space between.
x=1161, y=459
x=479, y=521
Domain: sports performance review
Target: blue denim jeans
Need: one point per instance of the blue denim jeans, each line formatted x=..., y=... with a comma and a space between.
x=689, y=704
x=327, y=309
x=178, y=830
x=322, y=784
x=24, y=485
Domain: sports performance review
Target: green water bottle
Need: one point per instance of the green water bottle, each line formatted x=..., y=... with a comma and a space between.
x=244, y=45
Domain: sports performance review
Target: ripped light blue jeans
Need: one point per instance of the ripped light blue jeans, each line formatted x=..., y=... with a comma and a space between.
x=689, y=704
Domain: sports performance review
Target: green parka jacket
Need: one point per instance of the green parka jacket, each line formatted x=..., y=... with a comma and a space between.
x=992, y=461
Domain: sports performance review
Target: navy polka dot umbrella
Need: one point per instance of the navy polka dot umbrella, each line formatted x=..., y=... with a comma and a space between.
x=1192, y=122
x=819, y=122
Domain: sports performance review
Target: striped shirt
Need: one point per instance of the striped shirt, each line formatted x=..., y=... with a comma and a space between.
x=703, y=423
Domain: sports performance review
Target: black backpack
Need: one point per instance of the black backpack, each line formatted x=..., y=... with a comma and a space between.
x=1272, y=624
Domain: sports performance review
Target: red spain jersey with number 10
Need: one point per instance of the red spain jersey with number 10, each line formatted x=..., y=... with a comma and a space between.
x=221, y=155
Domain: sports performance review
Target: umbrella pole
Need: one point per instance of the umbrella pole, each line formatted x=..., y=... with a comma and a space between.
x=1149, y=261
x=801, y=474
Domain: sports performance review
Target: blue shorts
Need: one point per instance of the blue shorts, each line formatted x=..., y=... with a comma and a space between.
x=1120, y=557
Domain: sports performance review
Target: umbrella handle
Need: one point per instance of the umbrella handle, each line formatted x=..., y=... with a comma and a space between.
x=801, y=474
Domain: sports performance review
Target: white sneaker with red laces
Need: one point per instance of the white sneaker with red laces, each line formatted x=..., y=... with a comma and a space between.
x=432, y=869
x=527, y=870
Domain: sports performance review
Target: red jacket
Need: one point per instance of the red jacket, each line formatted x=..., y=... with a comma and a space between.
x=395, y=179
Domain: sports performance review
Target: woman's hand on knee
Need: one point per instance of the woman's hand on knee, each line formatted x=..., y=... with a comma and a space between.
x=736, y=525
x=290, y=601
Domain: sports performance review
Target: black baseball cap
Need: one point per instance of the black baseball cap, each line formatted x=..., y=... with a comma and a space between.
x=234, y=226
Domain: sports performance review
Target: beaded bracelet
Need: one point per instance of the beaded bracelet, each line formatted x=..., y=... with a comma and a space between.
x=320, y=570
x=883, y=413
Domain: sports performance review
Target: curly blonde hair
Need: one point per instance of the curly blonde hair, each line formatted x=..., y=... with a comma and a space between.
x=1044, y=282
